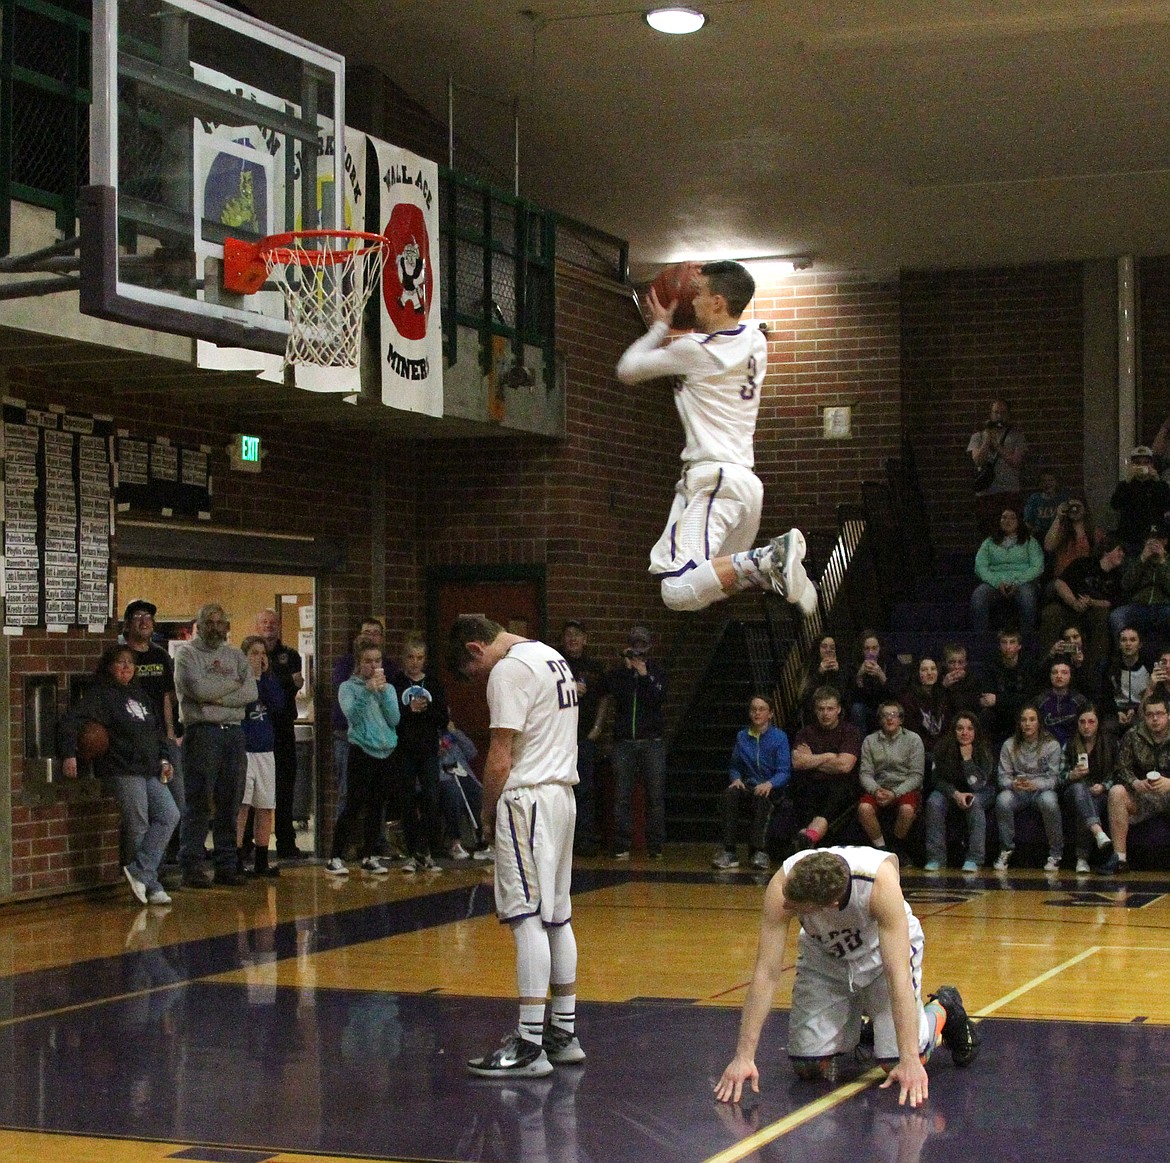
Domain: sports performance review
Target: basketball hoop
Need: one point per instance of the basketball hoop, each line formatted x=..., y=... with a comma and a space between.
x=326, y=277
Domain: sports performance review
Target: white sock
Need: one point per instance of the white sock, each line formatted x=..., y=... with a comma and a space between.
x=532, y=1023
x=1101, y=839
x=564, y=1012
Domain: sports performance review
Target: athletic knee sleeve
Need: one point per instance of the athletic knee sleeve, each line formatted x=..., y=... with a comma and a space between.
x=533, y=961
x=694, y=590
x=562, y=946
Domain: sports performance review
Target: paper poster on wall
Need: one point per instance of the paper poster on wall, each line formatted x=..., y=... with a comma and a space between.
x=409, y=311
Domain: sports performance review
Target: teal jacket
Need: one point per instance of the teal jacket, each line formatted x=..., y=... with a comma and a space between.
x=372, y=718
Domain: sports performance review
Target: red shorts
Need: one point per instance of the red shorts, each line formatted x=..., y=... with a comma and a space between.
x=913, y=798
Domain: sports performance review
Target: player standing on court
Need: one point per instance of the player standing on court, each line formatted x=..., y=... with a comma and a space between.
x=859, y=953
x=530, y=810
x=705, y=552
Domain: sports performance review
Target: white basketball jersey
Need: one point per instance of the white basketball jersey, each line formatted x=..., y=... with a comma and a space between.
x=719, y=398
x=848, y=936
x=531, y=691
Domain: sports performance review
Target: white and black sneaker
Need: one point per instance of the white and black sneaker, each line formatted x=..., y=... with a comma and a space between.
x=781, y=563
x=335, y=866
x=372, y=866
x=562, y=1047
x=515, y=1058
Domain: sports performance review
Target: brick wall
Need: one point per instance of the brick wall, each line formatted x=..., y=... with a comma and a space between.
x=1154, y=350
x=970, y=336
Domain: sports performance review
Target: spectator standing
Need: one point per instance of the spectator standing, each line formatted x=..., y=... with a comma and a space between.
x=1141, y=502
x=997, y=451
x=761, y=766
x=637, y=691
x=589, y=675
x=259, y=741
x=424, y=718
x=214, y=684
x=824, y=766
x=284, y=664
x=964, y=781
x=891, y=773
x=371, y=629
x=1029, y=770
x=1089, y=759
x=371, y=706
x=134, y=769
x=1007, y=565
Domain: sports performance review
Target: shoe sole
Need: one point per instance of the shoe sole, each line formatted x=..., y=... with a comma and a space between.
x=375, y=872
x=565, y=1057
x=537, y=1069
x=798, y=589
x=337, y=871
x=136, y=886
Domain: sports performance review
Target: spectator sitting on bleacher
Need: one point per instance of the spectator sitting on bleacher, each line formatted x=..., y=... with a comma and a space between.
x=964, y=780
x=761, y=766
x=1085, y=593
x=1040, y=507
x=1146, y=587
x=1010, y=683
x=1007, y=565
x=1070, y=648
x=1060, y=705
x=1126, y=680
x=824, y=670
x=1029, y=768
x=891, y=773
x=962, y=687
x=1141, y=779
x=824, y=763
x=1089, y=759
x=871, y=682
x=1071, y=536
x=1160, y=678
x=927, y=706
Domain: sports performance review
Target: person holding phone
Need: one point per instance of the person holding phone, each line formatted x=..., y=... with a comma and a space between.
x=370, y=704
x=1140, y=788
x=1089, y=760
x=964, y=780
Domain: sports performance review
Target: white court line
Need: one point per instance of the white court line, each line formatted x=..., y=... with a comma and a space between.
x=804, y=1114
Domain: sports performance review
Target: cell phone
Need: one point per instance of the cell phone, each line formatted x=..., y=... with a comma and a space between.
x=1082, y=759
x=871, y=656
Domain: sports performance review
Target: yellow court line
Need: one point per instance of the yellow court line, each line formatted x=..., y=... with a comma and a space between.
x=804, y=1114
x=790, y=1122
x=1015, y=993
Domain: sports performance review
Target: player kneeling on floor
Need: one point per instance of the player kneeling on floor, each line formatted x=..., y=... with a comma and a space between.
x=859, y=952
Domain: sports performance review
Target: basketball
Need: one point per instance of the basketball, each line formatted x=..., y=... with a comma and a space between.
x=93, y=741
x=676, y=282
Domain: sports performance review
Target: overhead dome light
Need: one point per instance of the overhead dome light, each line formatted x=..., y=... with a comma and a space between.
x=675, y=21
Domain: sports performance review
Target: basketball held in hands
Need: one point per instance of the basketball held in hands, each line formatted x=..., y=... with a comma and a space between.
x=93, y=741
x=677, y=283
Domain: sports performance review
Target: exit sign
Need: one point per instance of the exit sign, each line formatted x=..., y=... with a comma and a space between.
x=246, y=452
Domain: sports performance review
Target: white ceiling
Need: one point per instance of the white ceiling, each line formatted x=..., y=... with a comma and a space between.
x=873, y=135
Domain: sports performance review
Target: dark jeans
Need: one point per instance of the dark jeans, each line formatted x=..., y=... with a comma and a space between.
x=762, y=808
x=585, y=792
x=456, y=813
x=367, y=781
x=286, y=787
x=416, y=787
x=646, y=757
x=214, y=765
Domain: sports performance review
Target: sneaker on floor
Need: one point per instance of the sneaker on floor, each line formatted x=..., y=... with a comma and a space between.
x=970, y=866
x=515, y=1058
x=335, y=866
x=959, y=1033
x=1003, y=860
x=760, y=860
x=562, y=1047
x=621, y=855
x=484, y=853
x=782, y=565
x=372, y=866
x=158, y=896
x=429, y=864
x=137, y=887
x=410, y=864
x=932, y=866
x=723, y=861
x=198, y=878
x=1115, y=865
x=1052, y=864
x=1083, y=865
x=458, y=852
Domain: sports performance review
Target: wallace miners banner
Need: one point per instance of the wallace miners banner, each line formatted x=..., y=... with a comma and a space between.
x=411, y=334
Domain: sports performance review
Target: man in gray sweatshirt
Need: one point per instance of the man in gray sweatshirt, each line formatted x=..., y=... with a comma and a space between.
x=214, y=683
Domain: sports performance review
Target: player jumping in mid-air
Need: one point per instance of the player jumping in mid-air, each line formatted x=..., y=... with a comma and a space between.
x=859, y=954
x=705, y=552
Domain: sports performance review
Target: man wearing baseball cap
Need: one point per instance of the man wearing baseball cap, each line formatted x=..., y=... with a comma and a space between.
x=1140, y=501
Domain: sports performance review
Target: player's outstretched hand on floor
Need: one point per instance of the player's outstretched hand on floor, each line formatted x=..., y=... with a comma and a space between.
x=729, y=1088
x=912, y=1082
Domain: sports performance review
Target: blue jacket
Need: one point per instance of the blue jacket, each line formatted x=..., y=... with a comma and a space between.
x=761, y=759
x=372, y=719
x=259, y=730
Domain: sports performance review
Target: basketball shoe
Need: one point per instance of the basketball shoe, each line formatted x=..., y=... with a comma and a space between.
x=562, y=1047
x=780, y=561
x=515, y=1058
x=959, y=1033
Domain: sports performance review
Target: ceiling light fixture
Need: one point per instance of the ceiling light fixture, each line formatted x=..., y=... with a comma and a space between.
x=675, y=21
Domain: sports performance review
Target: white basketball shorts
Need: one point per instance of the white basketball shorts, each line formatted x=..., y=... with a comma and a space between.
x=534, y=852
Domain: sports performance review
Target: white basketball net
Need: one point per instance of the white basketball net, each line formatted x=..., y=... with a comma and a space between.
x=325, y=291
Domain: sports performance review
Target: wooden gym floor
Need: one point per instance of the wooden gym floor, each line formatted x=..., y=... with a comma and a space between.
x=311, y=1019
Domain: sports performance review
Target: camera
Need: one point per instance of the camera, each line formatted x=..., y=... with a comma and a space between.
x=633, y=652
